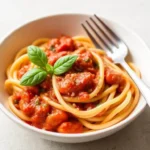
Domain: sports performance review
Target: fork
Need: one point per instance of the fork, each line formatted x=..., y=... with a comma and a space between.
x=103, y=37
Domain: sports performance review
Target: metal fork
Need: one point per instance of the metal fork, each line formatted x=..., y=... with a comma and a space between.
x=103, y=37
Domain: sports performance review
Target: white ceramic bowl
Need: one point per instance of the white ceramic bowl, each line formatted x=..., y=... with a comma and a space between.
x=68, y=24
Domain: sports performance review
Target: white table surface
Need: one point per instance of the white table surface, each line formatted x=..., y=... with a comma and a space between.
x=135, y=14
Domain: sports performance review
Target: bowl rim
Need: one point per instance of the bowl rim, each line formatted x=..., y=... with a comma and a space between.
x=127, y=120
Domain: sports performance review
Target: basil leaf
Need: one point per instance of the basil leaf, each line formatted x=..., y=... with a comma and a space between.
x=37, y=56
x=33, y=77
x=63, y=64
x=49, y=68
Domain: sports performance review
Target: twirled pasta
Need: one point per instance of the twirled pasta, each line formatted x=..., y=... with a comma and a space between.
x=111, y=106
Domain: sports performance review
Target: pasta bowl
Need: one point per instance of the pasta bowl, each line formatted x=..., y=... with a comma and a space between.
x=68, y=24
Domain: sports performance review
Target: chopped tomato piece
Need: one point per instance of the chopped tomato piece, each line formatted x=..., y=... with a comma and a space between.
x=16, y=99
x=70, y=127
x=41, y=112
x=121, y=86
x=84, y=61
x=54, y=42
x=32, y=89
x=27, y=96
x=62, y=47
x=46, y=84
x=57, y=48
x=52, y=95
x=66, y=43
x=27, y=108
x=112, y=77
x=62, y=44
x=55, y=118
x=53, y=57
x=76, y=82
x=17, y=96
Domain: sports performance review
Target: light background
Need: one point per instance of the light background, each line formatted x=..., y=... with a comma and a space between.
x=135, y=14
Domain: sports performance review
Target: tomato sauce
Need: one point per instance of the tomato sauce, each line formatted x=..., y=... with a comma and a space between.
x=22, y=71
x=79, y=82
x=59, y=47
x=73, y=83
x=112, y=77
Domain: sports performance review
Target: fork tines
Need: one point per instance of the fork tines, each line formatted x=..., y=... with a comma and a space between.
x=101, y=35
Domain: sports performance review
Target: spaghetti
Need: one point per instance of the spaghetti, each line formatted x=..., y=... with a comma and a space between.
x=94, y=94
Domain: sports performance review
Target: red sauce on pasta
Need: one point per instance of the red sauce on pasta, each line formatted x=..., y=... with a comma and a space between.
x=78, y=82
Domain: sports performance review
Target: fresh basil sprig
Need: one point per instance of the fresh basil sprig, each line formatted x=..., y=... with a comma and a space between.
x=64, y=64
x=38, y=57
x=33, y=77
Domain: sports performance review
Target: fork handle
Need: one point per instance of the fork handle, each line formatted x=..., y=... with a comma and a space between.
x=144, y=89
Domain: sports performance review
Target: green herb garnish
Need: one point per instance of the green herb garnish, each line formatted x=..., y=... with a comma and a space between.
x=52, y=48
x=38, y=57
x=16, y=101
x=87, y=59
x=37, y=102
x=33, y=77
x=45, y=105
x=64, y=64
